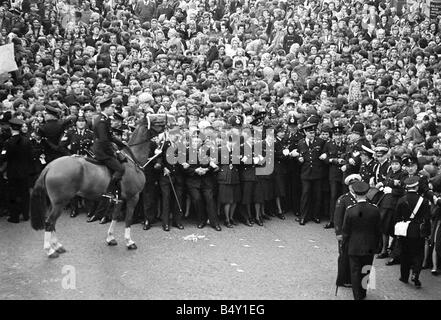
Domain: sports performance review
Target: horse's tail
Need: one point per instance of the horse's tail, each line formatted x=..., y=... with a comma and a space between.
x=39, y=202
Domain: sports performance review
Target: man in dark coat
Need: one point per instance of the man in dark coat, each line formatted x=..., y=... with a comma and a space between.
x=414, y=208
x=311, y=157
x=52, y=131
x=200, y=183
x=5, y=134
x=171, y=174
x=343, y=202
x=410, y=165
x=355, y=145
x=17, y=153
x=335, y=150
x=361, y=235
x=294, y=188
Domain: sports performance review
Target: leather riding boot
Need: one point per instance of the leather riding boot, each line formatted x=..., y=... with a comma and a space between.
x=111, y=188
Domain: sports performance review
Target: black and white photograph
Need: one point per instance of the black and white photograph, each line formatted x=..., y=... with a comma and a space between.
x=220, y=150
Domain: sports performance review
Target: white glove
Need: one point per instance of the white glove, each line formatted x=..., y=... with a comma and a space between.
x=185, y=165
x=256, y=160
x=285, y=152
x=294, y=153
x=213, y=165
x=387, y=190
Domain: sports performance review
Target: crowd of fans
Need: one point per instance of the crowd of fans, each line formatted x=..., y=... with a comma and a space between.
x=209, y=63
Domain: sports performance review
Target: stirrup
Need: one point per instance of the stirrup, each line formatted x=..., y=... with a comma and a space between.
x=116, y=200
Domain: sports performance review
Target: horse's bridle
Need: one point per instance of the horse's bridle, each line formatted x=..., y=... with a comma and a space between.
x=135, y=161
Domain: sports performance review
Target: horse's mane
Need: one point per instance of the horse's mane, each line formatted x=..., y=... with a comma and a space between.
x=142, y=132
x=139, y=133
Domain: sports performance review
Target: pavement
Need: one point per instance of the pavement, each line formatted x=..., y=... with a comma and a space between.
x=281, y=260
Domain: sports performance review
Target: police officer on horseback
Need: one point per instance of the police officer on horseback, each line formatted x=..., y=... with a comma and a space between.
x=103, y=149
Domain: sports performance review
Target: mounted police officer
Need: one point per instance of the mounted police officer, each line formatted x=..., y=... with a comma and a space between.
x=103, y=148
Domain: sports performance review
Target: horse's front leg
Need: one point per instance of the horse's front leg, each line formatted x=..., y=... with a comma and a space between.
x=131, y=204
x=110, y=233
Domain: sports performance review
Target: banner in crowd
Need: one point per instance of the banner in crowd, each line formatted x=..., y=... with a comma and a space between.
x=435, y=9
x=7, y=59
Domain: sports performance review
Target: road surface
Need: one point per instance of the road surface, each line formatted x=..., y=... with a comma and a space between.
x=281, y=260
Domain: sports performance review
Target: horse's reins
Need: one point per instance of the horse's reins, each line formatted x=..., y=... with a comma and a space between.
x=136, y=162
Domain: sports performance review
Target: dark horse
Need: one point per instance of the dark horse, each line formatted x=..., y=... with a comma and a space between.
x=70, y=176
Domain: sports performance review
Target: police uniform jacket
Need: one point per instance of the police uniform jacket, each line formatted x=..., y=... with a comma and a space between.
x=280, y=160
x=247, y=170
x=37, y=153
x=367, y=170
x=361, y=229
x=312, y=166
x=390, y=199
x=228, y=172
x=292, y=141
x=353, y=152
x=102, y=146
x=52, y=131
x=380, y=171
x=404, y=209
x=176, y=170
x=334, y=152
x=343, y=202
x=77, y=141
x=193, y=179
x=424, y=189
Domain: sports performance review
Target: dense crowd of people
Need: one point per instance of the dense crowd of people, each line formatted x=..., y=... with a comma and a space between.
x=349, y=87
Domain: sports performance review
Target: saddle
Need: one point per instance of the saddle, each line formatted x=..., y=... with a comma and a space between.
x=91, y=159
x=94, y=161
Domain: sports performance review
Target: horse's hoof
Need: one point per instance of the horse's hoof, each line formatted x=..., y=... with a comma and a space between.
x=112, y=242
x=61, y=250
x=132, y=247
x=53, y=255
